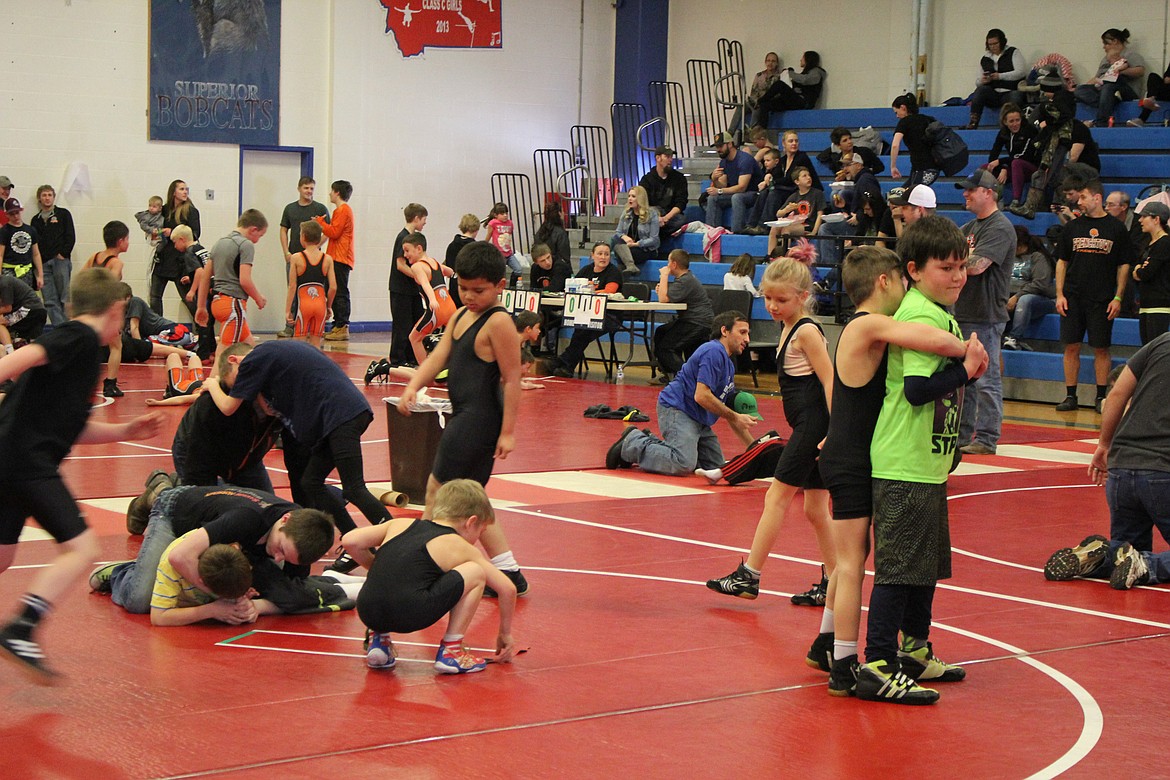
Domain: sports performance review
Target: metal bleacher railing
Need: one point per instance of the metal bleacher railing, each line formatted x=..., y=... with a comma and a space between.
x=515, y=189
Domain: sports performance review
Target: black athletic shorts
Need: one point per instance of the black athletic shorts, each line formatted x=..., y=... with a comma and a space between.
x=852, y=494
x=399, y=610
x=1085, y=316
x=45, y=500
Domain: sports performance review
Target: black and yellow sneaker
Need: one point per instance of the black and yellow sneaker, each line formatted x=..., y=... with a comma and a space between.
x=1070, y=562
x=876, y=681
x=820, y=655
x=1129, y=569
x=99, y=581
x=741, y=583
x=843, y=677
x=920, y=663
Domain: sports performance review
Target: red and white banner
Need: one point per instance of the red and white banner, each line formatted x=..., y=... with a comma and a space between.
x=447, y=24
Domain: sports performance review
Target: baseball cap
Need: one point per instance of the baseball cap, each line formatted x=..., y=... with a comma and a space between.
x=849, y=159
x=722, y=138
x=12, y=204
x=1155, y=209
x=663, y=150
x=981, y=178
x=897, y=196
x=745, y=403
x=5, y=181
x=922, y=196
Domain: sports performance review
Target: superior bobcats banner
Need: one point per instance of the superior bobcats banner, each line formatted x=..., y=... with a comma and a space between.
x=448, y=24
x=215, y=71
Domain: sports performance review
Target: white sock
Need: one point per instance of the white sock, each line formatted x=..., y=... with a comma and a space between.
x=751, y=571
x=827, y=621
x=452, y=639
x=351, y=589
x=711, y=475
x=505, y=562
x=843, y=649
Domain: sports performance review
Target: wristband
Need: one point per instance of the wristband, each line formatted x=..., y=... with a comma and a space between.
x=1117, y=298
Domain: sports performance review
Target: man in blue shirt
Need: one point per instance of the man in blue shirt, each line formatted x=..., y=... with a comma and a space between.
x=734, y=182
x=687, y=408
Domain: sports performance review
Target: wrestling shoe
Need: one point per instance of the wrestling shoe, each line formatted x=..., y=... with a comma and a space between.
x=25, y=653
x=740, y=583
x=379, y=650
x=820, y=655
x=613, y=456
x=814, y=596
x=99, y=581
x=875, y=682
x=1070, y=562
x=110, y=388
x=344, y=563
x=378, y=369
x=923, y=664
x=1129, y=569
x=843, y=677
x=457, y=659
x=517, y=578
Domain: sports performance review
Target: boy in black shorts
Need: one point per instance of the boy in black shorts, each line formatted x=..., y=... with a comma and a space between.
x=482, y=349
x=424, y=569
x=1093, y=260
x=46, y=413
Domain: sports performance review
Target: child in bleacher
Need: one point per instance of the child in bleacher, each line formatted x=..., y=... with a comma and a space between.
x=740, y=277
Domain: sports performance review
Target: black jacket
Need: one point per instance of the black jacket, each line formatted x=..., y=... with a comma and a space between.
x=55, y=235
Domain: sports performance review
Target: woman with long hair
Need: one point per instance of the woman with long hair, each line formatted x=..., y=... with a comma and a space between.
x=552, y=232
x=168, y=261
x=636, y=239
x=805, y=91
x=911, y=131
x=1012, y=159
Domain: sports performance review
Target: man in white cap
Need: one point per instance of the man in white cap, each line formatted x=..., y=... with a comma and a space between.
x=982, y=307
x=907, y=206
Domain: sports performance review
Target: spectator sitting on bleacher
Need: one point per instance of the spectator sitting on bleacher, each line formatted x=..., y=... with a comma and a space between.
x=1001, y=69
x=805, y=91
x=851, y=204
x=1117, y=206
x=841, y=144
x=688, y=329
x=733, y=183
x=1113, y=82
x=805, y=206
x=1157, y=88
x=1061, y=140
x=636, y=239
x=1033, y=293
x=551, y=233
x=1092, y=260
x=1012, y=158
x=905, y=208
x=911, y=129
x=666, y=191
x=761, y=141
x=603, y=278
x=742, y=275
x=767, y=201
x=1152, y=273
x=760, y=85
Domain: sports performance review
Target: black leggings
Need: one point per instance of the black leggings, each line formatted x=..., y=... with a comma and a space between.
x=308, y=467
x=894, y=608
x=1151, y=326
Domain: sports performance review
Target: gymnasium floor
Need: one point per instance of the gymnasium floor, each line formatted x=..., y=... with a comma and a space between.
x=633, y=667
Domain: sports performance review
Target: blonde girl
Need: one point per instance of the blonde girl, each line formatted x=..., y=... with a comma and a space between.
x=806, y=382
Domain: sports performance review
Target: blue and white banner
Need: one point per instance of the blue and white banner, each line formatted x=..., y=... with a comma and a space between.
x=215, y=71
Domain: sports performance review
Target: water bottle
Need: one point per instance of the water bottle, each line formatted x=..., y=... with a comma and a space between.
x=620, y=377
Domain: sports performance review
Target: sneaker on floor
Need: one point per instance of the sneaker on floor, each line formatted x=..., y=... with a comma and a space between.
x=457, y=659
x=876, y=682
x=1010, y=343
x=923, y=664
x=977, y=448
x=287, y=333
x=340, y=333
x=1129, y=569
x=563, y=372
x=26, y=654
x=110, y=389
x=379, y=651
x=613, y=456
x=1069, y=404
x=1135, y=122
x=843, y=677
x=1070, y=562
x=814, y=596
x=820, y=655
x=344, y=563
x=378, y=369
x=517, y=578
x=99, y=581
x=740, y=583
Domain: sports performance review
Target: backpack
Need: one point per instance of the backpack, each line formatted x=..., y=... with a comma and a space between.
x=947, y=148
x=870, y=139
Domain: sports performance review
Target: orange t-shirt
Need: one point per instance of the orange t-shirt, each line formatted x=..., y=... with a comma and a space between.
x=339, y=231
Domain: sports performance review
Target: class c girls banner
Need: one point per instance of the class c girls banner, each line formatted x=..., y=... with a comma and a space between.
x=447, y=24
x=215, y=71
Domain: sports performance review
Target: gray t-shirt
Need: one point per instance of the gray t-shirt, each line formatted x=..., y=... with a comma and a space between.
x=294, y=214
x=984, y=297
x=149, y=323
x=1142, y=440
x=689, y=290
x=228, y=254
